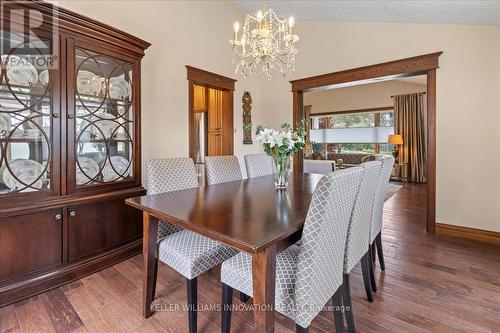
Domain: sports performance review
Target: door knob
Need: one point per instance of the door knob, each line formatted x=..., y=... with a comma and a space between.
x=56, y=115
x=72, y=213
x=71, y=116
x=58, y=217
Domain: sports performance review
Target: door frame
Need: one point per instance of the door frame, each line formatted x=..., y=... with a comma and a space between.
x=200, y=77
x=426, y=64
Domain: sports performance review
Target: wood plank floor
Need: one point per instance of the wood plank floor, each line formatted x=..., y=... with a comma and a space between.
x=431, y=284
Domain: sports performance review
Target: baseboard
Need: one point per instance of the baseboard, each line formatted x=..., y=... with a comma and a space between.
x=64, y=274
x=468, y=233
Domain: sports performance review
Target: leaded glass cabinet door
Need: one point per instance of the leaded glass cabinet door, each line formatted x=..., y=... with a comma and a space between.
x=29, y=119
x=102, y=118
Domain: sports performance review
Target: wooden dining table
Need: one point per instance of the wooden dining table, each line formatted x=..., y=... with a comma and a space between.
x=250, y=215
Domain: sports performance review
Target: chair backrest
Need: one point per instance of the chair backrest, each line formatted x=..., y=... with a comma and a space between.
x=258, y=165
x=170, y=174
x=378, y=209
x=222, y=169
x=358, y=234
x=321, y=257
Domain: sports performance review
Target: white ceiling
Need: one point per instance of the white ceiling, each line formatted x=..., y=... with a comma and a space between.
x=403, y=11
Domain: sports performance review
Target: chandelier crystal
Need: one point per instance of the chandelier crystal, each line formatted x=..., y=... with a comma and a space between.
x=266, y=44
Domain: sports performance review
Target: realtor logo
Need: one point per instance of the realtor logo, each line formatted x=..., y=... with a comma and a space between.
x=28, y=33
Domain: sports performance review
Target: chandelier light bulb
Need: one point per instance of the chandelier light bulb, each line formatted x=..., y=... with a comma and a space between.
x=259, y=15
x=291, y=21
x=236, y=27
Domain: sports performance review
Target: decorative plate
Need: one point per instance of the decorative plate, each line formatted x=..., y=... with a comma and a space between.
x=5, y=124
x=19, y=71
x=88, y=83
x=120, y=164
x=44, y=77
x=88, y=168
x=107, y=127
x=119, y=88
x=26, y=171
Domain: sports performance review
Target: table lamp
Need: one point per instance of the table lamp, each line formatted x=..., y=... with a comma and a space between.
x=395, y=140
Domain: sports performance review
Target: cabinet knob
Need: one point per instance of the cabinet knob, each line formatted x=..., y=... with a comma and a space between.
x=58, y=217
x=71, y=116
x=72, y=213
x=56, y=115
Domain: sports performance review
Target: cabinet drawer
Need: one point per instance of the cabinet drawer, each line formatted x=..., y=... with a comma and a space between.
x=30, y=243
x=96, y=227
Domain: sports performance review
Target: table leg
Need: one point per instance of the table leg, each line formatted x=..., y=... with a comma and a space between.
x=150, y=233
x=264, y=279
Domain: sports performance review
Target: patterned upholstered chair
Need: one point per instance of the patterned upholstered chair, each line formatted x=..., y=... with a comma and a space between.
x=358, y=234
x=258, y=165
x=378, y=209
x=222, y=169
x=309, y=274
x=167, y=175
x=187, y=252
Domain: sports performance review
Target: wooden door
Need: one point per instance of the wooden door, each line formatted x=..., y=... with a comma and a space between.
x=99, y=226
x=220, y=123
x=102, y=142
x=29, y=119
x=30, y=243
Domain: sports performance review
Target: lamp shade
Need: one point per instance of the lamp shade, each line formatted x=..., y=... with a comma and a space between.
x=395, y=139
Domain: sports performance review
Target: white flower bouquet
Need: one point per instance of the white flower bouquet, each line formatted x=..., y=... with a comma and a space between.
x=281, y=144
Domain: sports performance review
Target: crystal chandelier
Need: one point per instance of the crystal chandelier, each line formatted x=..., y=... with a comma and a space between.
x=267, y=43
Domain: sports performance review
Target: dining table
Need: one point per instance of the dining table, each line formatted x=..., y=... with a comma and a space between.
x=250, y=215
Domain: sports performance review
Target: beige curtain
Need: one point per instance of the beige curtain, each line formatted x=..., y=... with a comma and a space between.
x=409, y=121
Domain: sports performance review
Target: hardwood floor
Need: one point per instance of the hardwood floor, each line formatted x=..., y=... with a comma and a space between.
x=431, y=284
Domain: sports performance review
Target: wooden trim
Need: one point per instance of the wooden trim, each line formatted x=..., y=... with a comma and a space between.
x=205, y=78
x=42, y=282
x=431, y=151
x=377, y=109
x=82, y=25
x=413, y=65
x=484, y=236
x=298, y=114
x=200, y=77
x=76, y=199
x=420, y=65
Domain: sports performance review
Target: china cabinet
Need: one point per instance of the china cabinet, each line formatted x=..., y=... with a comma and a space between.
x=69, y=147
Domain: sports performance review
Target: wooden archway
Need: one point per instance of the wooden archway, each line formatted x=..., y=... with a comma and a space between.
x=421, y=65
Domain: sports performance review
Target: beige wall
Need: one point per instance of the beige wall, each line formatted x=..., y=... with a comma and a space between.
x=364, y=96
x=196, y=33
x=468, y=103
x=181, y=33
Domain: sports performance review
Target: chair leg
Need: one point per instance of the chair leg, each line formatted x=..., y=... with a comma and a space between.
x=337, y=312
x=380, y=252
x=227, y=302
x=155, y=278
x=244, y=297
x=346, y=297
x=373, y=248
x=365, y=268
x=192, y=294
x=300, y=329
x=371, y=266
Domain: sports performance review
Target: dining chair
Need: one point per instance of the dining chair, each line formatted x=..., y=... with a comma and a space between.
x=358, y=236
x=378, y=211
x=258, y=165
x=187, y=252
x=222, y=169
x=309, y=274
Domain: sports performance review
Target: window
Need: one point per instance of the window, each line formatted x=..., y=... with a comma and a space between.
x=364, y=132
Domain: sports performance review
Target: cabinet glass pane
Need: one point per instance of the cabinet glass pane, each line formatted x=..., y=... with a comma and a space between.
x=104, y=128
x=25, y=117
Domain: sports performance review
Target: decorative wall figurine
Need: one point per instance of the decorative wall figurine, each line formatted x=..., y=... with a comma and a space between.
x=247, y=118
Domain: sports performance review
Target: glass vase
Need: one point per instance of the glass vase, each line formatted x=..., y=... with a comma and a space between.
x=281, y=170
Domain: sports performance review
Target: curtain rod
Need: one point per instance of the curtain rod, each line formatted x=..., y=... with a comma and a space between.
x=419, y=93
